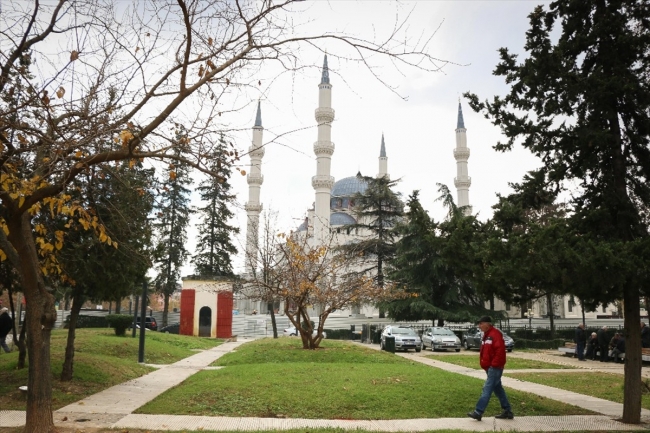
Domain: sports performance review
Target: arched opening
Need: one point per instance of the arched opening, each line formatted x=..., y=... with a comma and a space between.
x=205, y=321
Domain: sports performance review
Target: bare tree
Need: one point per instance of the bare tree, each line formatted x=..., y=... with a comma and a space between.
x=309, y=276
x=89, y=83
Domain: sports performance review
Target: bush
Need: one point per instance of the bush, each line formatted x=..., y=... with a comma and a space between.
x=88, y=322
x=119, y=322
x=539, y=344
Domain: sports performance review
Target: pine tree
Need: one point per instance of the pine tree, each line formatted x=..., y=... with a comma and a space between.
x=171, y=224
x=581, y=102
x=378, y=210
x=214, y=246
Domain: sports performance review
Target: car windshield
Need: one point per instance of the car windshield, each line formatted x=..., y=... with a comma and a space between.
x=403, y=331
x=442, y=331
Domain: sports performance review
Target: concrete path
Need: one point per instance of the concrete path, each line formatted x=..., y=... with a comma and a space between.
x=113, y=407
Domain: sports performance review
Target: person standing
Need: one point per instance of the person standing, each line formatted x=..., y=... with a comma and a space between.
x=492, y=358
x=603, y=344
x=6, y=324
x=581, y=341
x=645, y=335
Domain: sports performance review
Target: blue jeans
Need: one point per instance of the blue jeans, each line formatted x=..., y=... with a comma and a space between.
x=580, y=350
x=493, y=384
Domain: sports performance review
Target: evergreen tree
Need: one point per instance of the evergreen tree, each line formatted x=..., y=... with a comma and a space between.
x=378, y=210
x=581, y=102
x=171, y=224
x=435, y=264
x=214, y=246
x=119, y=198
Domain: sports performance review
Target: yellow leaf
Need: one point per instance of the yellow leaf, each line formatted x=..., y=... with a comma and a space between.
x=78, y=154
x=103, y=237
x=3, y=256
x=172, y=175
x=21, y=201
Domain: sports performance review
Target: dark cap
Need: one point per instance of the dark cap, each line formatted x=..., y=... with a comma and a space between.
x=487, y=319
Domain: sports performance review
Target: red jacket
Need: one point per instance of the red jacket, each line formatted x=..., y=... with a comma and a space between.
x=493, y=350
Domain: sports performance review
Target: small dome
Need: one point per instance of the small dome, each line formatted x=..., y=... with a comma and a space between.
x=349, y=186
x=341, y=219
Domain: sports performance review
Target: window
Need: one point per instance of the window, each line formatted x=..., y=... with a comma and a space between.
x=604, y=308
x=570, y=307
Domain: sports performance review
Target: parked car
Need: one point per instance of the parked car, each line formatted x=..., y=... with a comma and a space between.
x=473, y=337
x=174, y=328
x=149, y=323
x=405, y=338
x=440, y=338
x=291, y=332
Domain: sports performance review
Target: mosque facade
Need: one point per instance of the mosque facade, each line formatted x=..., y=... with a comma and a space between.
x=334, y=205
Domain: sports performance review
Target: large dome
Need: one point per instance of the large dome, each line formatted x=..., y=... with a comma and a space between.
x=349, y=186
x=341, y=219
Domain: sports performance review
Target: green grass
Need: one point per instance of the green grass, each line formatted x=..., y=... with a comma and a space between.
x=607, y=386
x=511, y=364
x=101, y=360
x=277, y=378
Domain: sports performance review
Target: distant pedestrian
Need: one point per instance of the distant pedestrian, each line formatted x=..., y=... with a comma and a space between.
x=603, y=344
x=6, y=325
x=592, y=347
x=492, y=358
x=619, y=349
x=581, y=341
x=645, y=335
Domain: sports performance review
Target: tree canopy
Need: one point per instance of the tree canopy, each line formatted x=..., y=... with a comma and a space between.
x=580, y=101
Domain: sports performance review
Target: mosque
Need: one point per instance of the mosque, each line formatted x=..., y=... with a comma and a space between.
x=334, y=201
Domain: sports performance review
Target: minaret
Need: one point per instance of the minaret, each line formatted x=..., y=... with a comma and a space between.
x=253, y=206
x=324, y=149
x=383, y=159
x=461, y=153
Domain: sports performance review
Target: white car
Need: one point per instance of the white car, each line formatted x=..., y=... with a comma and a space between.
x=291, y=332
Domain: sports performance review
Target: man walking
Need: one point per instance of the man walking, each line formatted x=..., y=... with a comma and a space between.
x=603, y=344
x=645, y=335
x=492, y=359
x=581, y=340
x=6, y=325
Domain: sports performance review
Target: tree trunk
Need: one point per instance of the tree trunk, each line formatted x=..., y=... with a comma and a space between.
x=118, y=306
x=274, y=324
x=68, y=363
x=551, y=313
x=39, y=320
x=165, y=309
x=18, y=342
x=22, y=346
x=632, y=332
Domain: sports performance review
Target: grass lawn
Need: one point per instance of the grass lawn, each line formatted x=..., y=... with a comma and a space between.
x=101, y=360
x=277, y=378
x=511, y=364
x=602, y=385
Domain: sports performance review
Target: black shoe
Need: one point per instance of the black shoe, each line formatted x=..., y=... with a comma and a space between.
x=473, y=414
x=506, y=414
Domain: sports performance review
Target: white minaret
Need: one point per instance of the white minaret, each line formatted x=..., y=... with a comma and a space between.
x=461, y=153
x=383, y=159
x=324, y=149
x=255, y=179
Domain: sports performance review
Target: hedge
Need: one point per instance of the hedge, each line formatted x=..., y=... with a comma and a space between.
x=119, y=322
x=89, y=321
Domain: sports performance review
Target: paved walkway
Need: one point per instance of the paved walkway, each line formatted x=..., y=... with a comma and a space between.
x=113, y=407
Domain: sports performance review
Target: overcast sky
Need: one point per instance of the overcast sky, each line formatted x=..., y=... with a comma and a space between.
x=419, y=130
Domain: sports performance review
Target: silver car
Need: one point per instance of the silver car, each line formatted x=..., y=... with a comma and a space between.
x=440, y=338
x=405, y=338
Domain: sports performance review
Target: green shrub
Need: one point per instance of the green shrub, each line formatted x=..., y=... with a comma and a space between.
x=539, y=344
x=119, y=322
x=88, y=321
